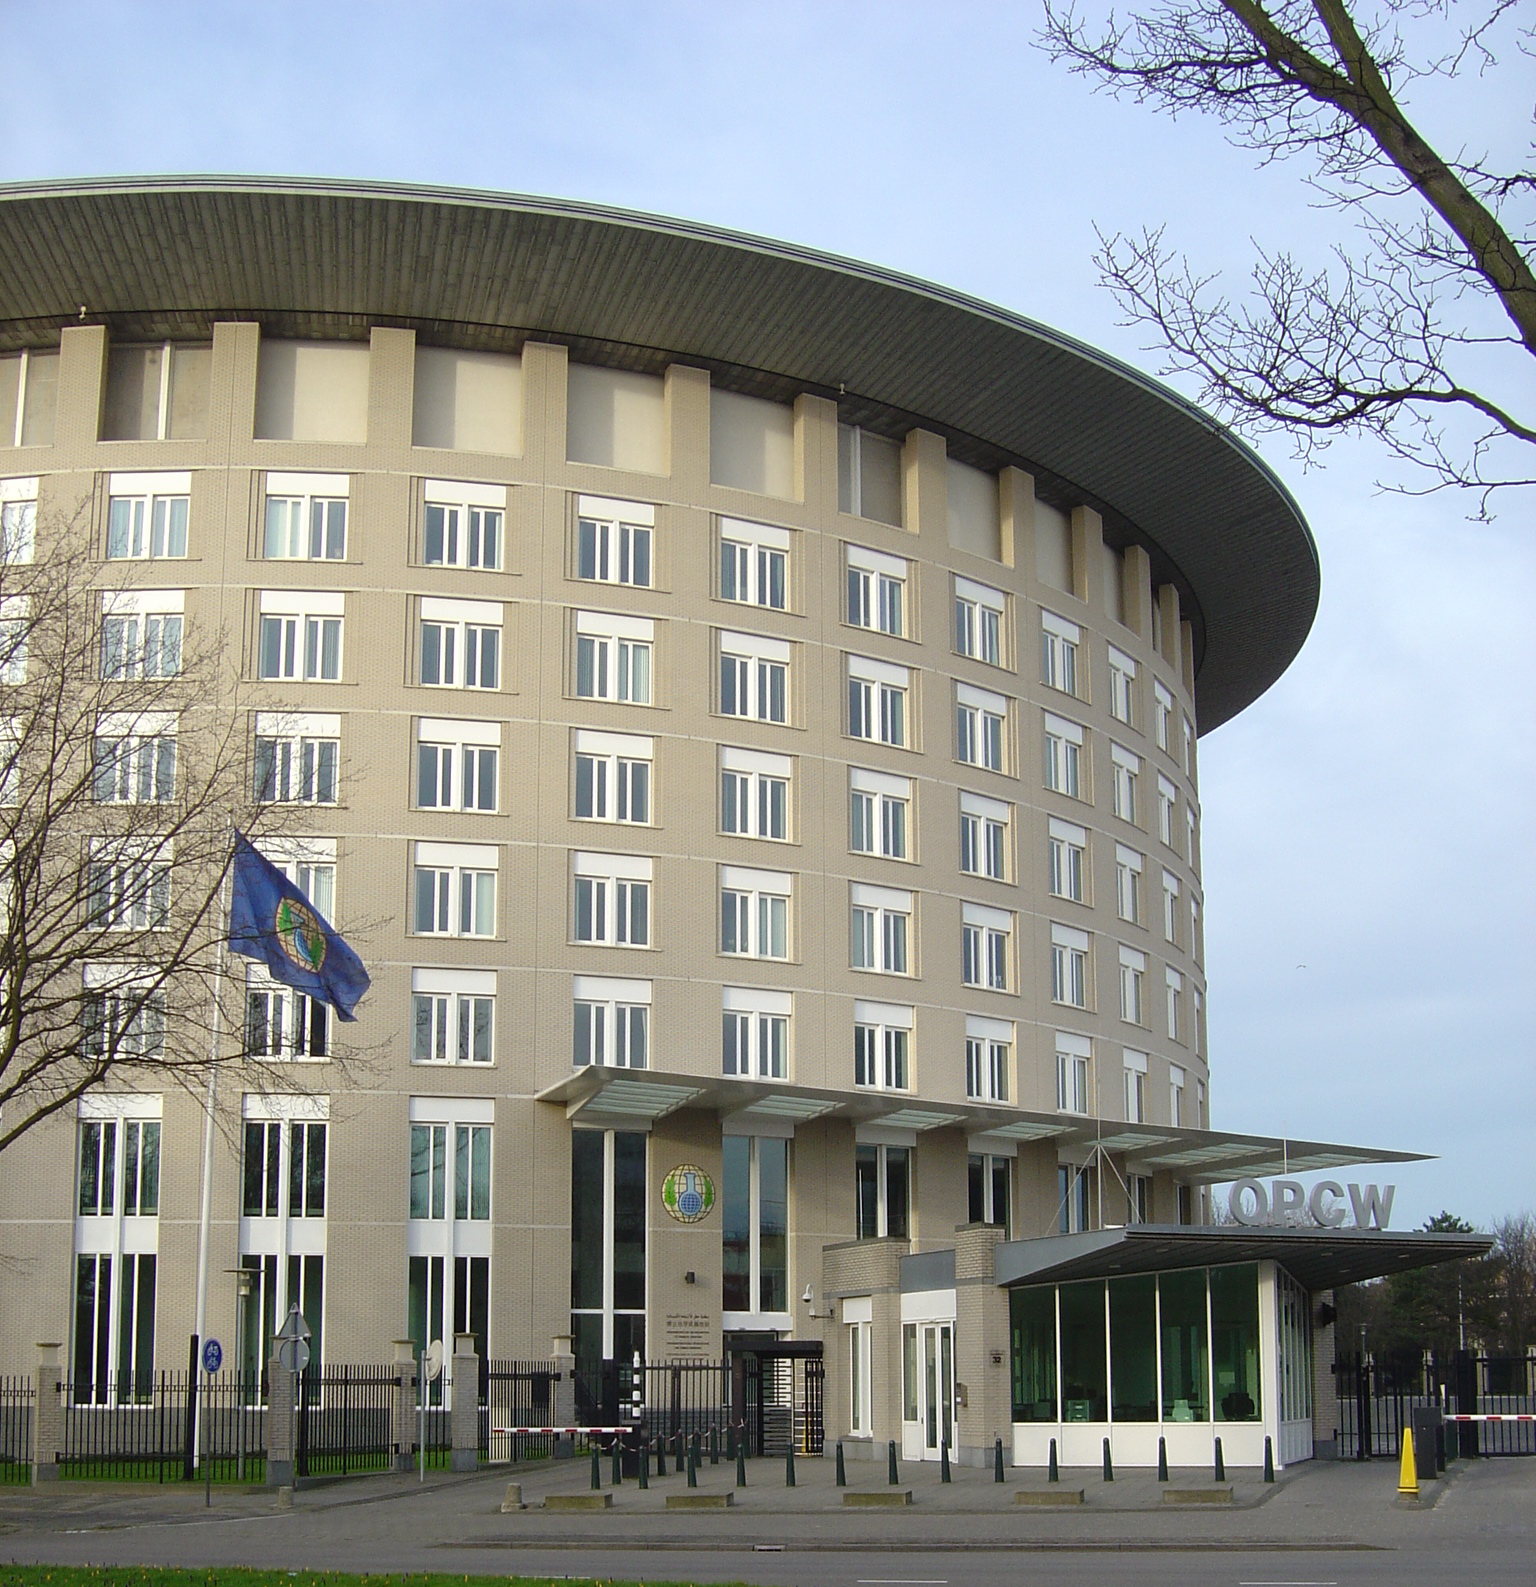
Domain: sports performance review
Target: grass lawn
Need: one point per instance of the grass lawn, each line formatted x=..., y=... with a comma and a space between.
x=154, y=1576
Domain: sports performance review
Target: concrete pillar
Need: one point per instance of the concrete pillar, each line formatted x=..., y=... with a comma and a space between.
x=464, y=1418
x=282, y=1423
x=391, y=386
x=981, y=1333
x=1325, y=1388
x=1087, y=551
x=82, y=370
x=925, y=485
x=1016, y=511
x=48, y=1414
x=403, y=1411
x=562, y=1392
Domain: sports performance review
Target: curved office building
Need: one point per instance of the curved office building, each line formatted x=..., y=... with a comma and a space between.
x=742, y=706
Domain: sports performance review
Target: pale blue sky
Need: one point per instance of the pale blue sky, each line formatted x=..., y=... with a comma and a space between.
x=1368, y=860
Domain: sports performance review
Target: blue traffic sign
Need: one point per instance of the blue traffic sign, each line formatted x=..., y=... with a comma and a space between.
x=213, y=1355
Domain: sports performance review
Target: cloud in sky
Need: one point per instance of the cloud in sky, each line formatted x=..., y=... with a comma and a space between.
x=1368, y=862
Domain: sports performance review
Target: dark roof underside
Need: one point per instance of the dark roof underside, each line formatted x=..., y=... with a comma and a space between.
x=1317, y=1258
x=166, y=257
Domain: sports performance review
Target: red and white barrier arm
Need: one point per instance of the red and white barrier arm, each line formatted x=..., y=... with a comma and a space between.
x=558, y=1432
x=1491, y=1416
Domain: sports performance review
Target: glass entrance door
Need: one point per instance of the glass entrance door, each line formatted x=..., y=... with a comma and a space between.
x=929, y=1371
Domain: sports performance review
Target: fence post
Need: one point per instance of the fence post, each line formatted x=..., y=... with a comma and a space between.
x=464, y=1419
x=281, y=1424
x=402, y=1430
x=48, y=1415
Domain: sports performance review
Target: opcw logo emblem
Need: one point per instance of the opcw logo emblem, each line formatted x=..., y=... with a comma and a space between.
x=688, y=1193
x=300, y=934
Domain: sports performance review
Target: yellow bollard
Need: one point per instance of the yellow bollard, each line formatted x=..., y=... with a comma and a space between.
x=1408, y=1472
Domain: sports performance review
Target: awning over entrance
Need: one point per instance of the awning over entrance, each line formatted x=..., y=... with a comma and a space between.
x=1316, y=1258
x=598, y=1095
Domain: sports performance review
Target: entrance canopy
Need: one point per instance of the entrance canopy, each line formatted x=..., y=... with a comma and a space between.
x=598, y=1095
x=1317, y=1258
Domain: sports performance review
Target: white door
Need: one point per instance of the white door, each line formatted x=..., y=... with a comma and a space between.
x=928, y=1349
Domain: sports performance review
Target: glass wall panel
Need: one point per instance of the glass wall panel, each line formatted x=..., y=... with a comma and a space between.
x=587, y=1221
x=1133, y=1348
x=736, y=1222
x=1084, y=1367
x=773, y=1224
x=1235, y=1343
x=1186, y=1363
x=1032, y=1318
x=628, y=1221
x=909, y=1372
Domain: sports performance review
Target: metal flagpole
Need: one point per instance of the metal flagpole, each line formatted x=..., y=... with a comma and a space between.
x=205, y=1205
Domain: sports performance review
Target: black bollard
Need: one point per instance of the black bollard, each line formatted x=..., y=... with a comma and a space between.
x=1269, y=1458
x=714, y=1446
x=842, y=1470
x=997, y=1460
x=1162, y=1460
x=892, y=1475
x=693, y=1463
x=661, y=1457
x=1109, y=1465
x=944, y=1472
x=741, y=1466
x=618, y=1461
x=789, y=1464
x=1052, y=1470
x=597, y=1468
x=1221, y=1465
x=643, y=1468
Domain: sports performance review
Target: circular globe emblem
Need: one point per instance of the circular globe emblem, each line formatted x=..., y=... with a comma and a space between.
x=300, y=934
x=688, y=1193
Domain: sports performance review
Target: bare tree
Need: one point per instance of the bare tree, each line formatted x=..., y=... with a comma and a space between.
x=123, y=771
x=1421, y=336
x=1514, y=1250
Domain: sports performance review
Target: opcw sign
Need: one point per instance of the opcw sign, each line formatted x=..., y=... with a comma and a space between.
x=1287, y=1201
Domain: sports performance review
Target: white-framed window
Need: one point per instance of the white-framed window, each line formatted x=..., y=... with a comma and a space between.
x=986, y=947
x=860, y=1368
x=450, y=1161
x=458, y=764
x=1191, y=834
x=881, y=933
x=1128, y=867
x=129, y=884
x=754, y=677
x=1162, y=717
x=119, y=1161
x=754, y=912
x=463, y=524
x=754, y=1243
x=133, y=757
x=610, y=1022
x=296, y=757
x=454, y=889
x=613, y=776
x=980, y=622
x=1170, y=906
x=147, y=515
x=18, y=520
x=104, y=768
x=1067, y=848
x=1167, y=800
x=1125, y=773
x=988, y=1058
x=1059, y=643
x=988, y=1179
x=1122, y=687
x=1173, y=984
x=281, y=1024
x=879, y=813
x=613, y=540
x=1133, y=976
x=453, y=1016
x=877, y=701
x=754, y=563
x=1176, y=1082
x=122, y=1015
x=613, y=657
x=141, y=633
x=15, y=630
x=611, y=899
x=868, y=475
x=984, y=842
x=1197, y=1019
x=1139, y=1189
x=1074, y=1193
x=305, y=518
x=1135, y=1087
x=1201, y=1119
x=300, y=635
x=882, y=1046
x=981, y=727
x=1069, y=966
x=460, y=644
x=754, y=1032
x=754, y=793
x=1072, y=1058
x=877, y=590
x=310, y=864
x=882, y=1190
x=1194, y=926
x=1064, y=756
x=1187, y=747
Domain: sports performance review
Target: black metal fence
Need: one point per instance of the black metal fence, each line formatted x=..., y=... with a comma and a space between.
x=174, y=1424
x=1377, y=1398
x=16, y=1405
x=346, y=1420
x=515, y=1394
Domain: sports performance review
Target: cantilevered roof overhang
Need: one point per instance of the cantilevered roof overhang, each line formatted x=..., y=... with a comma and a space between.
x=1316, y=1258
x=596, y=1095
x=155, y=257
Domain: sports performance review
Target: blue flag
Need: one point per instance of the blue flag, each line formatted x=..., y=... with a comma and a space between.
x=270, y=919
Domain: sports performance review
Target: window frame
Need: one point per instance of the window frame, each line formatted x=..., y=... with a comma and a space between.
x=463, y=543
x=883, y=1046
x=761, y=916
x=1071, y=967
x=756, y=1025
x=614, y=542
x=611, y=900
x=622, y=777
x=752, y=563
x=877, y=591
x=753, y=677
x=989, y=1048
x=1065, y=756
x=880, y=813
x=1061, y=654
x=304, y=633
x=459, y=890
x=622, y=649
x=981, y=628
x=465, y=748
x=624, y=1029
x=760, y=787
x=882, y=930
x=158, y=506
x=986, y=953
x=1066, y=860
x=878, y=696
x=460, y=1018
x=314, y=524
x=981, y=728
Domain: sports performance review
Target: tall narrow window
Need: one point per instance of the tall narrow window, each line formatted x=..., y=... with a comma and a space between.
x=986, y=947
x=18, y=520
x=610, y=1202
x=1126, y=773
x=1173, y=985
x=147, y=515
x=987, y=1180
x=1167, y=799
x=882, y=1190
x=1133, y=976
x=613, y=540
x=1170, y=907
x=1069, y=966
x=868, y=474
x=306, y=517
x=754, y=1173
x=981, y=728
x=1072, y=1056
x=1122, y=687
x=880, y=811
x=462, y=524
x=754, y=564
x=1176, y=1083
x=1064, y=756
x=1067, y=852
x=1162, y=717
x=1128, y=867
x=1135, y=1087
x=877, y=591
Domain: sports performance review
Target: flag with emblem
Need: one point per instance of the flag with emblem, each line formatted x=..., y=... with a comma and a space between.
x=272, y=920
